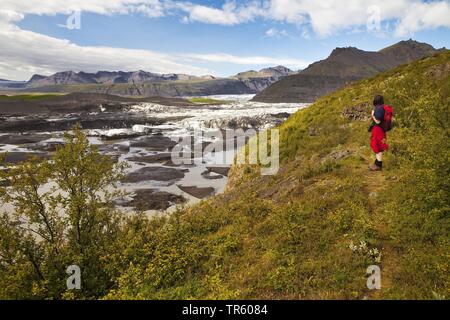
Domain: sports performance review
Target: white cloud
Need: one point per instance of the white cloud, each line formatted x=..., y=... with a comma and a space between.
x=275, y=33
x=23, y=53
x=229, y=14
x=326, y=17
x=424, y=16
x=49, y=7
x=250, y=60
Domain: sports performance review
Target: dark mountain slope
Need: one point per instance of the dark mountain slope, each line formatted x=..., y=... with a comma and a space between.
x=21, y=105
x=141, y=83
x=343, y=66
x=159, y=88
x=103, y=77
x=407, y=51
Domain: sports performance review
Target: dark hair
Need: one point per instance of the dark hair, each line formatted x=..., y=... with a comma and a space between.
x=378, y=100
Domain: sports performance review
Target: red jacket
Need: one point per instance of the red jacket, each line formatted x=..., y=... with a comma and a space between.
x=378, y=140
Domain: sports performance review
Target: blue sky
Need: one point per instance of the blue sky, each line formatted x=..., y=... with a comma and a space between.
x=204, y=37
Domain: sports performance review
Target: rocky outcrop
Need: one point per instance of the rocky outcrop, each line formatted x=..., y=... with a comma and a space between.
x=16, y=157
x=277, y=72
x=164, y=174
x=77, y=102
x=360, y=112
x=154, y=143
x=151, y=199
x=302, y=88
x=197, y=192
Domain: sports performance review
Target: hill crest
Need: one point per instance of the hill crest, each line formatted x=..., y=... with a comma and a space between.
x=342, y=66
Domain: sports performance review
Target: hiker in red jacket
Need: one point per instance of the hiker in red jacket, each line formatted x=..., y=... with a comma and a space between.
x=382, y=122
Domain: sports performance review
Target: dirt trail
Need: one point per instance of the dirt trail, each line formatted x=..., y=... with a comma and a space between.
x=376, y=181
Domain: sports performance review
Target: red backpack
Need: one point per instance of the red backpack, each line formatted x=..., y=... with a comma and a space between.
x=386, y=124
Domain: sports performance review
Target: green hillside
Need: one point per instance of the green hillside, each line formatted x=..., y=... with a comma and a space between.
x=28, y=97
x=311, y=231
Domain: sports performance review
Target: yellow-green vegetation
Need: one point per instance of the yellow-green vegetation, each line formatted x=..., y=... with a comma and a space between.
x=29, y=97
x=207, y=101
x=253, y=74
x=72, y=222
x=312, y=230
x=309, y=232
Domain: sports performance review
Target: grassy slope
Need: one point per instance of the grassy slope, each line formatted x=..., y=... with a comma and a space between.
x=28, y=97
x=208, y=101
x=289, y=235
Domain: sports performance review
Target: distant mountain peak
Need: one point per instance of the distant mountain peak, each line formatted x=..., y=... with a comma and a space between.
x=36, y=77
x=271, y=72
x=409, y=44
x=407, y=51
x=343, y=66
x=411, y=41
x=282, y=70
x=343, y=50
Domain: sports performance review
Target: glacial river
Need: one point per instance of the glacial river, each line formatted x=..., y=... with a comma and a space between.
x=154, y=182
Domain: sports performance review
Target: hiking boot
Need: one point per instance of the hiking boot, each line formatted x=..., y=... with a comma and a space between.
x=374, y=167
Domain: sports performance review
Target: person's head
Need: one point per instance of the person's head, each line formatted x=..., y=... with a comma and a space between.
x=378, y=100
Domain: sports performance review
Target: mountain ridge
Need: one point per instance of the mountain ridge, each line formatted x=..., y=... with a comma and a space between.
x=143, y=83
x=141, y=76
x=342, y=66
x=275, y=72
x=272, y=85
x=107, y=77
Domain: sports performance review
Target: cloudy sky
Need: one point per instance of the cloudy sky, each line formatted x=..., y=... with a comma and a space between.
x=203, y=36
